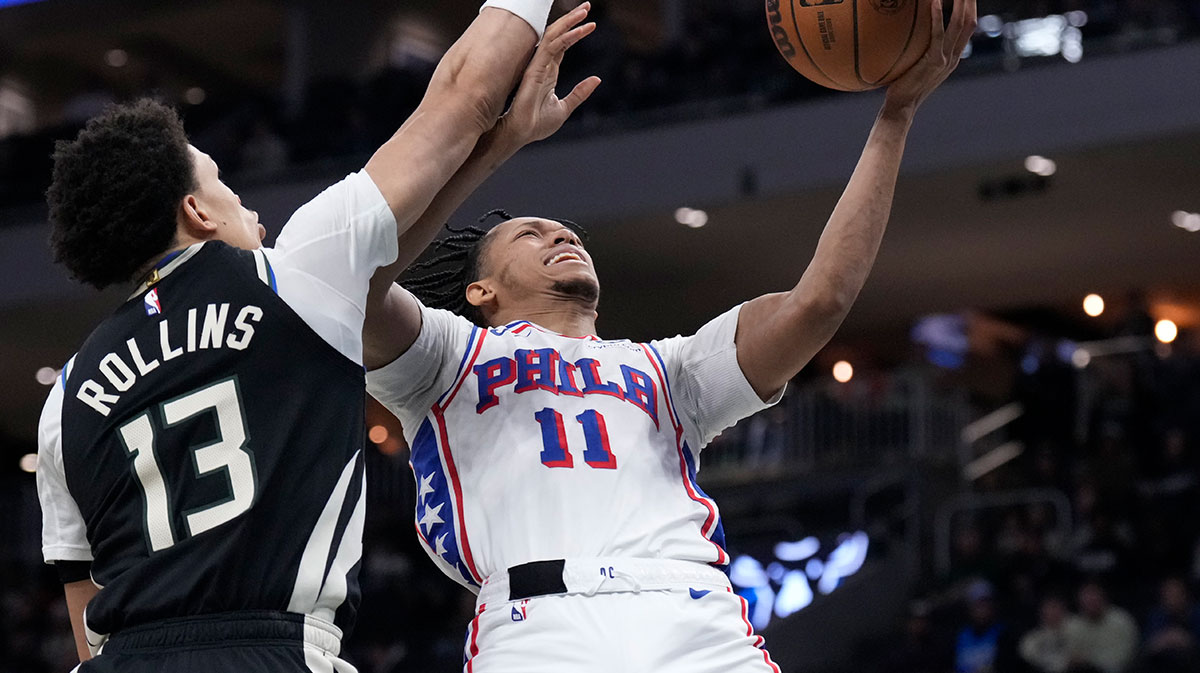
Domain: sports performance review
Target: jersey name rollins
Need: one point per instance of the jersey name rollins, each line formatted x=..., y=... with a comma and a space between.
x=121, y=370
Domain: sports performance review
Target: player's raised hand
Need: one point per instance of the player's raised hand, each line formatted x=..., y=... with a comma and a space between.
x=537, y=112
x=946, y=47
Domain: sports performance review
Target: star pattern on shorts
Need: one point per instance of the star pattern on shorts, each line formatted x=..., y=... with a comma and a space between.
x=431, y=517
x=425, y=488
x=439, y=546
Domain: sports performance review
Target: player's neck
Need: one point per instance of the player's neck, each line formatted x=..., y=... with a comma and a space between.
x=566, y=318
x=180, y=243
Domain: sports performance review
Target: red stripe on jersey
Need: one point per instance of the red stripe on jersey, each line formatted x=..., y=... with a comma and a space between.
x=758, y=641
x=444, y=448
x=463, y=544
x=462, y=377
x=710, y=522
x=474, y=647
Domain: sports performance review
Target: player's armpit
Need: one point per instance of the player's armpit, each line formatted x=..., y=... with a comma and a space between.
x=78, y=595
x=392, y=326
x=779, y=333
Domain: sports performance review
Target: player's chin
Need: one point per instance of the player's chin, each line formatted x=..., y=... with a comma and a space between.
x=583, y=287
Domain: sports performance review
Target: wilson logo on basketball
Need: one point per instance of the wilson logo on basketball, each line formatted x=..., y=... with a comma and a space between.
x=888, y=6
x=777, y=31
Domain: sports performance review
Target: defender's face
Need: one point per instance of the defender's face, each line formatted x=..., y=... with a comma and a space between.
x=529, y=256
x=236, y=225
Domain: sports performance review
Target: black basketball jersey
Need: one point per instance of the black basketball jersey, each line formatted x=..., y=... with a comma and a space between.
x=212, y=441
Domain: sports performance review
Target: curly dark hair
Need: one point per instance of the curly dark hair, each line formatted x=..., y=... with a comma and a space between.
x=116, y=190
x=454, y=262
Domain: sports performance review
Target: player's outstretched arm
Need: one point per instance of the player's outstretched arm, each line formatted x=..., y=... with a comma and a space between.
x=778, y=334
x=393, y=318
x=463, y=101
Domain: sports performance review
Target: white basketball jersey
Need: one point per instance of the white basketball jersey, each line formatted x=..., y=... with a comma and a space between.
x=528, y=445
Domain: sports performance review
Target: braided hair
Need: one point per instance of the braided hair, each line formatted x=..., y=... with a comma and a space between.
x=453, y=263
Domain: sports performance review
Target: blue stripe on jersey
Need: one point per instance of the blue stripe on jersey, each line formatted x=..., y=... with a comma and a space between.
x=462, y=363
x=271, y=274
x=718, y=532
x=436, y=523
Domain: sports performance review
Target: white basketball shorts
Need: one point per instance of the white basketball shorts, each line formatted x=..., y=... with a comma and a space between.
x=612, y=615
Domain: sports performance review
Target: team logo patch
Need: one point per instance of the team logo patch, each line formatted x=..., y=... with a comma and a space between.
x=153, y=306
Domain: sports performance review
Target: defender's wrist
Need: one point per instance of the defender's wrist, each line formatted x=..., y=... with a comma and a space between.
x=535, y=12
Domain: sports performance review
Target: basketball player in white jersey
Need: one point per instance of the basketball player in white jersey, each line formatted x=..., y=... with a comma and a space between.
x=555, y=470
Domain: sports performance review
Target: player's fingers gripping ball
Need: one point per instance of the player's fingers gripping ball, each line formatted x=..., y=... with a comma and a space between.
x=850, y=45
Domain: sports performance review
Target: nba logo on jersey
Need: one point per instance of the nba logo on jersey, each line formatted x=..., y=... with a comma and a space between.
x=518, y=612
x=152, y=305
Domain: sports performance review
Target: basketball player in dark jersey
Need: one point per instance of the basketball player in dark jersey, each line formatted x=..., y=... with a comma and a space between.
x=200, y=467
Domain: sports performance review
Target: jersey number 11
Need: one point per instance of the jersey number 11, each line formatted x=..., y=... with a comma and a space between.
x=555, y=453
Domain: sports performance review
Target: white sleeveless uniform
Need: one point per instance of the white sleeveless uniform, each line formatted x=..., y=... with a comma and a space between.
x=529, y=446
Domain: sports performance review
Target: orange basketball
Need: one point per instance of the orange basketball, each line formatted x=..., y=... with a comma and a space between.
x=850, y=45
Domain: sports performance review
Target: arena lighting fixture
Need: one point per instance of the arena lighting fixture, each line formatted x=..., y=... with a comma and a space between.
x=378, y=434
x=1039, y=165
x=46, y=375
x=116, y=58
x=785, y=586
x=843, y=371
x=1186, y=221
x=29, y=463
x=1166, y=331
x=1093, y=305
x=194, y=95
x=1081, y=358
x=691, y=217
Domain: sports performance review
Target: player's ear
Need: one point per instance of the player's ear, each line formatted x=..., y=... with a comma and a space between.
x=481, y=293
x=193, y=219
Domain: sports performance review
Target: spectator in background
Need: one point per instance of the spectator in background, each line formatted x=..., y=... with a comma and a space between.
x=921, y=651
x=1104, y=638
x=1045, y=649
x=766, y=437
x=972, y=558
x=983, y=645
x=1173, y=630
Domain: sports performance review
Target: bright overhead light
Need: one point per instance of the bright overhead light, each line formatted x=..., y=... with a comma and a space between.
x=1186, y=221
x=46, y=376
x=194, y=95
x=1166, y=331
x=1093, y=305
x=116, y=58
x=378, y=434
x=691, y=217
x=1039, y=165
x=29, y=463
x=843, y=372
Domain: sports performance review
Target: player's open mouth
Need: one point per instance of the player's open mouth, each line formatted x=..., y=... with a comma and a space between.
x=564, y=257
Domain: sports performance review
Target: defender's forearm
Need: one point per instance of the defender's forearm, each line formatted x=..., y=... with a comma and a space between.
x=463, y=101
x=487, y=157
x=78, y=595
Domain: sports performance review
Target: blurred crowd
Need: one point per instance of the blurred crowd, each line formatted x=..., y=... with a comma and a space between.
x=1094, y=563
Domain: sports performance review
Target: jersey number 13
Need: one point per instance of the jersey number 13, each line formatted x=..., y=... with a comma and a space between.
x=228, y=453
